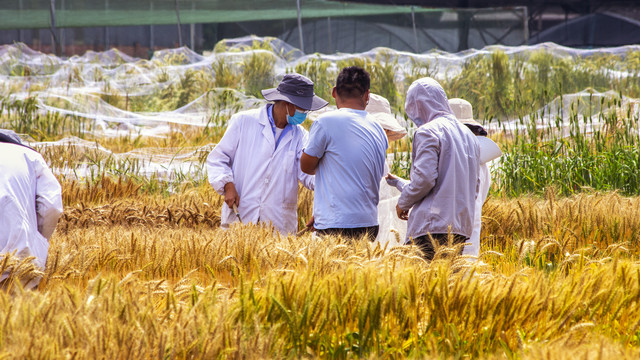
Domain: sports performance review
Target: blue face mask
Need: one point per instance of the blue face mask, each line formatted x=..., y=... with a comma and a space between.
x=297, y=118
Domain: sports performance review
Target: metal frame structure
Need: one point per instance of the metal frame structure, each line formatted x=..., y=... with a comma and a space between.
x=539, y=12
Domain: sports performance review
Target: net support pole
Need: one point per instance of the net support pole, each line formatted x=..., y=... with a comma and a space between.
x=415, y=33
x=151, y=42
x=61, y=30
x=54, y=40
x=330, y=37
x=192, y=29
x=106, y=28
x=525, y=21
x=20, y=33
x=300, y=26
x=179, y=25
x=463, y=36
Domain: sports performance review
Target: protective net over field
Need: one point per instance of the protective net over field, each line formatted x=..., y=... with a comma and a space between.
x=109, y=94
x=90, y=161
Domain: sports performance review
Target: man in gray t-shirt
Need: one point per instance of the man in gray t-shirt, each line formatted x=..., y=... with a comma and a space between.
x=346, y=152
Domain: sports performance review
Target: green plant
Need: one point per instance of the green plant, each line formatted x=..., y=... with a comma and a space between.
x=382, y=71
x=225, y=76
x=258, y=71
x=321, y=73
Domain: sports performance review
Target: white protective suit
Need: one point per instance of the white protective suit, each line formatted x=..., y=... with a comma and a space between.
x=30, y=203
x=266, y=178
x=444, y=171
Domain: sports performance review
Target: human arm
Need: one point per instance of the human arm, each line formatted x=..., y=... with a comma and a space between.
x=424, y=170
x=307, y=180
x=48, y=198
x=395, y=181
x=308, y=164
x=314, y=150
x=220, y=162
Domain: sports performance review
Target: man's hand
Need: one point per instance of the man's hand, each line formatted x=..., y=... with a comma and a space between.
x=311, y=223
x=402, y=214
x=231, y=196
x=309, y=227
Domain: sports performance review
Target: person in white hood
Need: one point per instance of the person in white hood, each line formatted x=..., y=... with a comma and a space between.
x=444, y=171
x=30, y=203
x=256, y=164
x=489, y=150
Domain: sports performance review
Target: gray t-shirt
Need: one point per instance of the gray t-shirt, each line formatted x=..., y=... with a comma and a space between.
x=351, y=147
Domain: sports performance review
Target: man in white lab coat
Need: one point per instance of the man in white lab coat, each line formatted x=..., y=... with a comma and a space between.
x=256, y=164
x=30, y=203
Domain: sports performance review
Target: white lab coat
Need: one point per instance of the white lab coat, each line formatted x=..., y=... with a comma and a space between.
x=30, y=203
x=266, y=178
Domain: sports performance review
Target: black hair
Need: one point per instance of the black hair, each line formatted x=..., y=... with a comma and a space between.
x=352, y=82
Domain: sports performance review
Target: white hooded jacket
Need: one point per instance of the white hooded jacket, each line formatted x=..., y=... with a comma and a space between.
x=30, y=203
x=444, y=171
x=265, y=177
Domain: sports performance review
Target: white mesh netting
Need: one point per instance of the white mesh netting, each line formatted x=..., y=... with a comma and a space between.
x=111, y=94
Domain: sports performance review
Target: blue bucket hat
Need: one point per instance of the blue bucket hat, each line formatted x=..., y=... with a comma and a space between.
x=296, y=89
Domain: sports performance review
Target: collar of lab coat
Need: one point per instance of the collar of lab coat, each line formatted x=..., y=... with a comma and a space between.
x=263, y=119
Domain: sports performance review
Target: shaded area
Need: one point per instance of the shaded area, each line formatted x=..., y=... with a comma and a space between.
x=593, y=30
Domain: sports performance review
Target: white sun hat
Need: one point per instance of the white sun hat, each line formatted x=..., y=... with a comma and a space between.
x=463, y=111
x=380, y=110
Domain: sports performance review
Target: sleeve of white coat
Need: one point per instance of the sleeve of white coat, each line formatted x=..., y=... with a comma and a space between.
x=424, y=170
x=221, y=158
x=48, y=198
x=306, y=180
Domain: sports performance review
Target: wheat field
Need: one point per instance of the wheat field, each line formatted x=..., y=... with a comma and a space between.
x=134, y=275
x=139, y=268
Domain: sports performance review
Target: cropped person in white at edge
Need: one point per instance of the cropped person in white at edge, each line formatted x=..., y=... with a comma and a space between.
x=256, y=164
x=489, y=150
x=391, y=228
x=30, y=204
